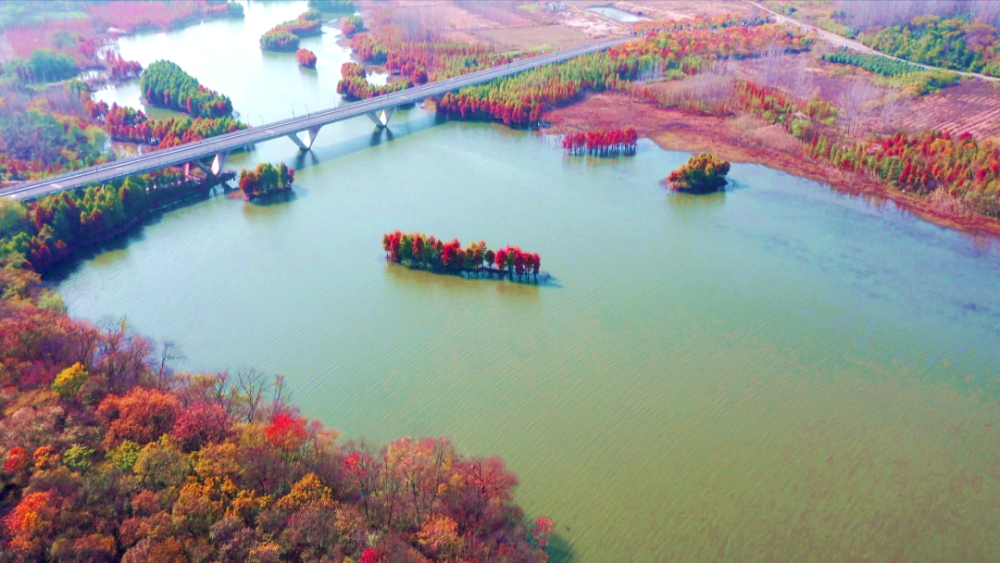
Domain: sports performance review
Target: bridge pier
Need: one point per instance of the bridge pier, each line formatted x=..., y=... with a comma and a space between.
x=310, y=138
x=381, y=117
x=218, y=162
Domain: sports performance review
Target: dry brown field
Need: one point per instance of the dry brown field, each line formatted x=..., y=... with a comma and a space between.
x=973, y=106
x=552, y=36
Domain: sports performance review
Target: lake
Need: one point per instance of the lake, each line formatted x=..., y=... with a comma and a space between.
x=775, y=373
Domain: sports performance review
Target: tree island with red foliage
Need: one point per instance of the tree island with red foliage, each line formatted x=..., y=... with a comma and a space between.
x=701, y=174
x=306, y=58
x=421, y=252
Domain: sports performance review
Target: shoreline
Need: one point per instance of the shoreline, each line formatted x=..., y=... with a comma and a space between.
x=201, y=187
x=679, y=130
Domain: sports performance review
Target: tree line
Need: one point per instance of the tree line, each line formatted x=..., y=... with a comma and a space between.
x=927, y=80
x=601, y=142
x=130, y=125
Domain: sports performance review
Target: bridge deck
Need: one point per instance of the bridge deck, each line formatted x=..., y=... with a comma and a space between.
x=176, y=156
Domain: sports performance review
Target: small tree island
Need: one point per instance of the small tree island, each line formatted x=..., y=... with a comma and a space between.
x=306, y=58
x=266, y=179
x=702, y=174
x=421, y=252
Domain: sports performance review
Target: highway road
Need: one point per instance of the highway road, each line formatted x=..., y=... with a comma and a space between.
x=191, y=152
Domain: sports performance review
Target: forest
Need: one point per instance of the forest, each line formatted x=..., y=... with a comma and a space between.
x=266, y=179
x=167, y=85
x=109, y=454
x=700, y=174
x=601, y=142
x=42, y=66
x=35, y=144
x=954, y=43
x=419, y=251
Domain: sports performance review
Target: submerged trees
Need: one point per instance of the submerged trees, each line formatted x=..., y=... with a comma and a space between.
x=601, y=142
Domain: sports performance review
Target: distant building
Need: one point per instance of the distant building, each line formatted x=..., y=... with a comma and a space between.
x=555, y=6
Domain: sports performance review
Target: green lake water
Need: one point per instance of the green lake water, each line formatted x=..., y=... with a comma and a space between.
x=776, y=373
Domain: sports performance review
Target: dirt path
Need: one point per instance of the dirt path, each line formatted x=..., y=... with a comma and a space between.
x=842, y=41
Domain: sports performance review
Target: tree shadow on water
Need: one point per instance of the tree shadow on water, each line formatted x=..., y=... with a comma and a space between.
x=424, y=280
x=560, y=550
x=681, y=201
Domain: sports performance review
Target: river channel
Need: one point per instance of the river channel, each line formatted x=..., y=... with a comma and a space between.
x=775, y=373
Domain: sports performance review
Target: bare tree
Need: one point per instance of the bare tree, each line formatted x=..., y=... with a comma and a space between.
x=281, y=397
x=801, y=85
x=857, y=104
x=168, y=352
x=249, y=388
x=773, y=65
x=423, y=23
x=889, y=114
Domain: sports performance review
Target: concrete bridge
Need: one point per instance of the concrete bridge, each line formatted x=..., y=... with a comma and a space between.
x=301, y=130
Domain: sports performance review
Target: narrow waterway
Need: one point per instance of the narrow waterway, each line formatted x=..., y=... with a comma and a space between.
x=617, y=15
x=776, y=373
